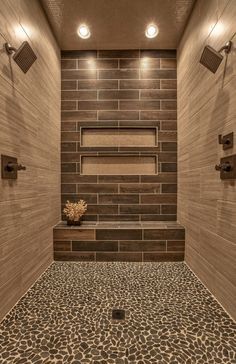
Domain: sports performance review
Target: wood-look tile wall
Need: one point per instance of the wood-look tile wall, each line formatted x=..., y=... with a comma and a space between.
x=120, y=89
x=30, y=131
x=207, y=108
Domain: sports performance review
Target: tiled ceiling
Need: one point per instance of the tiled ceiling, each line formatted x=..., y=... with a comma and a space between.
x=118, y=24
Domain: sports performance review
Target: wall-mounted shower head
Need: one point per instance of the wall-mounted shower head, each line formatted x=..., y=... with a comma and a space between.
x=212, y=59
x=23, y=56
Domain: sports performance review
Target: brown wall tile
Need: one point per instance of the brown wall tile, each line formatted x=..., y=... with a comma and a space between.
x=115, y=95
x=158, y=115
x=95, y=246
x=168, y=167
x=98, y=188
x=139, y=84
x=167, y=234
x=168, y=209
x=98, y=64
x=158, y=94
x=89, y=54
x=168, y=63
x=119, y=74
x=169, y=188
x=70, y=136
x=79, y=95
x=118, y=115
x=103, y=209
x=140, y=63
x=98, y=105
x=97, y=84
x=118, y=234
x=68, y=85
x=118, y=179
x=74, y=256
x=79, y=115
x=118, y=199
x=163, y=257
x=169, y=84
x=178, y=245
x=140, y=105
x=77, y=178
x=68, y=126
x=140, y=188
x=74, y=234
x=118, y=54
x=161, y=178
x=68, y=147
x=68, y=64
x=158, y=53
x=79, y=74
x=140, y=209
x=62, y=245
x=68, y=188
x=68, y=167
x=168, y=104
x=158, y=74
x=68, y=105
x=156, y=245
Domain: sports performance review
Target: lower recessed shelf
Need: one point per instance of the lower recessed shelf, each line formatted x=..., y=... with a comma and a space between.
x=119, y=165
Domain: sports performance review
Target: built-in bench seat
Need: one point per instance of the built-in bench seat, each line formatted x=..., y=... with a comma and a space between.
x=120, y=241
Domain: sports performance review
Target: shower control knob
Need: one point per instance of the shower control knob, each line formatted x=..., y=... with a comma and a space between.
x=225, y=167
x=11, y=167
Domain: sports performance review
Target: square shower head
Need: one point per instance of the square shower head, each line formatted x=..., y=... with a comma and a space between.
x=211, y=59
x=25, y=56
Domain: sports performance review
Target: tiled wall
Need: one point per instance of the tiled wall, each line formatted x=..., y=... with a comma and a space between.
x=207, y=108
x=120, y=89
x=30, y=131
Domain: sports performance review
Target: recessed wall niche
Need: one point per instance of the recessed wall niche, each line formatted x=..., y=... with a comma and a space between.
x=119, y=137
x=119, y=165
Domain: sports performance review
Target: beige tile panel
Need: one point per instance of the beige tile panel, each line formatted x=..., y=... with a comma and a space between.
x=118, y=137
x=118, y=165
x=30, y=131
x=207, y=108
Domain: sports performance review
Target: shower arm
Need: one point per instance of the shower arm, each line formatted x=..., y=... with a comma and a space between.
x=227, y=47
x=9, y=48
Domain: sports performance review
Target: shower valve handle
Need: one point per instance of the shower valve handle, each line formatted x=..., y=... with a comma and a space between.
x=15, y=166
x=226, y=167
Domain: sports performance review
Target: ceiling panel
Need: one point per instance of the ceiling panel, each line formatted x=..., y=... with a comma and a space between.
x=118, y=24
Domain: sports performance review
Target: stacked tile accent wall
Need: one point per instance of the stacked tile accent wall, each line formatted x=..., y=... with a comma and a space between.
x=126, y=92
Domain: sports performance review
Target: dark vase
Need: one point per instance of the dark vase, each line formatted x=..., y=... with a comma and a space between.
x=73, y=223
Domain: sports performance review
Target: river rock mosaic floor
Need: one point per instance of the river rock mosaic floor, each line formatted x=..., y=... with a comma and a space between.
x=66, y=318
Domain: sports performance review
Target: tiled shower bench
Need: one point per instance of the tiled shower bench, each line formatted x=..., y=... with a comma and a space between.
x=121, y=241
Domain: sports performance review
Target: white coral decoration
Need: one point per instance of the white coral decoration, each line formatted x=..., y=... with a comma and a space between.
x=74, y=210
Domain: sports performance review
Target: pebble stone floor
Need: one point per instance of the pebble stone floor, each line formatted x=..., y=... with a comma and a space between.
x=66, y=317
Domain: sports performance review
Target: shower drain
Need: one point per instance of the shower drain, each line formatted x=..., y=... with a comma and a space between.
x=118, y=314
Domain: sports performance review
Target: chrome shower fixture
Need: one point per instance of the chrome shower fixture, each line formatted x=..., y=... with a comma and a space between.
x=211, y=59
x=24, y=56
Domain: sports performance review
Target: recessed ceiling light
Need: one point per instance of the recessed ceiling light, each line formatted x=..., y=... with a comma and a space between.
x=151, y=31
x=83, y=31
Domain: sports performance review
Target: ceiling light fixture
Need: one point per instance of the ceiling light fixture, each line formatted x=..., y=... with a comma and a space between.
x=151, y=31
x=84, y=32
